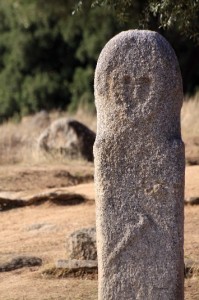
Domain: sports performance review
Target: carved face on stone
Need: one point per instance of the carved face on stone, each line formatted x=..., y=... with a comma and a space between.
x=137, y=75
x=139, y=169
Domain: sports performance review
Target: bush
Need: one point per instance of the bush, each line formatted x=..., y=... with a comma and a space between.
x=82, y=88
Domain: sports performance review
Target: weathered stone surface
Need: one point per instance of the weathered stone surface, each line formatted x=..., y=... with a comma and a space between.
x=68, y=137
x=139, y=169
x=81, y=244
x=73, y=264
x=74, y=268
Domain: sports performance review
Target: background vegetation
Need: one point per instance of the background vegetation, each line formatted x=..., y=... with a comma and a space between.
x=48, y=50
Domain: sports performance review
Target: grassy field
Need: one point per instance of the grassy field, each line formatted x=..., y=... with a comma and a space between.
x=24, y=171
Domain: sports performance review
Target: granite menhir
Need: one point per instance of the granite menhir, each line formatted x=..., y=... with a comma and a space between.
x=139, y=169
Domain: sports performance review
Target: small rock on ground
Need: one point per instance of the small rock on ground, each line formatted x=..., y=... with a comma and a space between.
x=81, y=244
x=20, y=262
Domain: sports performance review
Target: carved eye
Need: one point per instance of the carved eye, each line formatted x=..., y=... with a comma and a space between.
x=127, y=79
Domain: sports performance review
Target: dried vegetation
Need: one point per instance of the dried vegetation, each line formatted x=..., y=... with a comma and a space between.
x=42, y=229
x=18, y=140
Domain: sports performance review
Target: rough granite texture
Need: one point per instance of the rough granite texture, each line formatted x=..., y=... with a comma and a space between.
x=139, y=169
x=81, y=244
x=76, y=264
x=69, y=137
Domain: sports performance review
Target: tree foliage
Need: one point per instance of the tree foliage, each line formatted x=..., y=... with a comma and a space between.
x=35, y=63
x=183, y=15
x=49, y=49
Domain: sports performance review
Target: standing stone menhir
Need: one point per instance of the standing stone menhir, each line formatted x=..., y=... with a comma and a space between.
x=139, y=169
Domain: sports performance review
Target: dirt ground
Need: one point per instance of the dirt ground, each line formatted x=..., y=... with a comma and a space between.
x=42, y=230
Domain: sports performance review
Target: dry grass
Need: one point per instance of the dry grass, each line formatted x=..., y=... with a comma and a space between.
x=190, y=117
x=19, y=236
x=18, y=141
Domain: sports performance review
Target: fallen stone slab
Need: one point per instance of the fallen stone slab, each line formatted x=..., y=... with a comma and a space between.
x=192, y=201
x=76, y=264
x=82, y=269
x=78, y=268
x=20, y=262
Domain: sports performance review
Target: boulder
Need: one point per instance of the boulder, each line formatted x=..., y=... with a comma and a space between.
x=82, y=244
x=69, y=137
x=82, y=269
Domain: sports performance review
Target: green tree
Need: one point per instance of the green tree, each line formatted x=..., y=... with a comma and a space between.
x=36, y=63
x=177, y=20
x=183, y=15
x=49, y=49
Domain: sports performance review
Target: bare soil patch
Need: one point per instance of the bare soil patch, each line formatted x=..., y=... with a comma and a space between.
x=42, y=231
x=35, y=178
